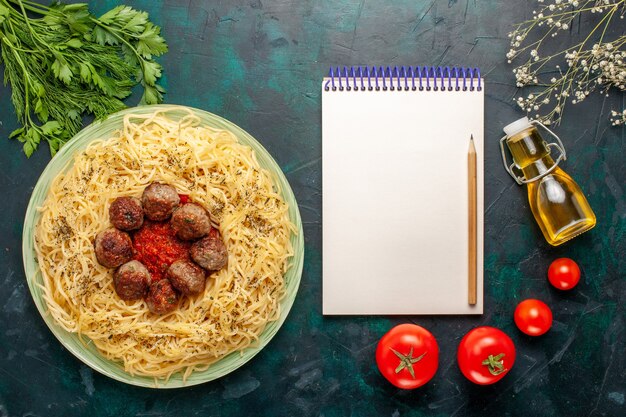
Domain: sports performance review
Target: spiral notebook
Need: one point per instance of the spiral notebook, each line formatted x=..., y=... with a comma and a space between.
x=395, y=189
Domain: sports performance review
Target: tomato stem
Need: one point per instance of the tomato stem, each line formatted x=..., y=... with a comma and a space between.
x=407, y=361
x=495, y=364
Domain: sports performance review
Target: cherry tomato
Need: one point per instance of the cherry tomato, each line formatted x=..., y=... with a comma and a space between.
x=564, y=274
x=408, y=356
x=485, y=355
x=533, y=317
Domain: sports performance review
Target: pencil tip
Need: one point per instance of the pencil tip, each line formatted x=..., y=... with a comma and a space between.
x=472, y=136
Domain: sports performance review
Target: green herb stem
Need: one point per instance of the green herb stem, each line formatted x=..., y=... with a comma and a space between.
x=65, y=63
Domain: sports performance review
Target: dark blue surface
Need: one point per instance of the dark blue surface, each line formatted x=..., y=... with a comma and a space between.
x=259, y=63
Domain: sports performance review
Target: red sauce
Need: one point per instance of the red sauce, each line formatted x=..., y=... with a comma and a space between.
x=157, y=247
x=184, y=198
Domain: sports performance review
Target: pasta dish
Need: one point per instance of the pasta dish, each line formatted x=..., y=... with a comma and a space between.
x=208, y=166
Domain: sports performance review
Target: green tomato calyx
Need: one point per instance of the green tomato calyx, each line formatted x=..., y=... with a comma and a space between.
x=495, y=364
x=407, y=361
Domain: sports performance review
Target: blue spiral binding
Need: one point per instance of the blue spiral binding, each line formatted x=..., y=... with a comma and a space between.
x=403, y=78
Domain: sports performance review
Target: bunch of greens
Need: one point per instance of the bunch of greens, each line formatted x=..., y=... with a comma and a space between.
x=62, y=62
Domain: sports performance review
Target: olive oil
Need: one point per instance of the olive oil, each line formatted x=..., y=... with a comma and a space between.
x=557, y=202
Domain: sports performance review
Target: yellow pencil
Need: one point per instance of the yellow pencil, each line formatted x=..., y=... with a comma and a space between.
x=471, y=188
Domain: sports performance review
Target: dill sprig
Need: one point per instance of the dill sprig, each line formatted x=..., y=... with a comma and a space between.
x=62, y=63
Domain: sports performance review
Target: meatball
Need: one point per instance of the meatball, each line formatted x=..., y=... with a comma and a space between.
x=131, y=280
x=210, y=251
x=161, y=298
x=191, y=221
x=113, y=247
x=126, y=213
x=186, y=277
x=159, y=201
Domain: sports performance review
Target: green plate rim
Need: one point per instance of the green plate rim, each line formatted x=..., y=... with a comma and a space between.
x=62, y=161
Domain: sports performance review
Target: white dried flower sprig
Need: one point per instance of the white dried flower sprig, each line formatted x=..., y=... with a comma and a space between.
x=618, y=118
x=593, y=64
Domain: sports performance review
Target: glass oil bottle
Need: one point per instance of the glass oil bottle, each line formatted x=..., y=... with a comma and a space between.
x=557, y=202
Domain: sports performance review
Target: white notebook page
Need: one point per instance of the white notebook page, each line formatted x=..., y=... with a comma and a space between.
x=395, y=201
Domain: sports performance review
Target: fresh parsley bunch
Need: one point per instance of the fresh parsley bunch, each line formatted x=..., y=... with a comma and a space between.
x=62, y=62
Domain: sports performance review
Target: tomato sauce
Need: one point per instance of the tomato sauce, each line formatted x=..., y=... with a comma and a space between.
x=157, y=247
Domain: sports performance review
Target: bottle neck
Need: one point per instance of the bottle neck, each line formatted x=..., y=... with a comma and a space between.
x=530, y=153
x=538, y=167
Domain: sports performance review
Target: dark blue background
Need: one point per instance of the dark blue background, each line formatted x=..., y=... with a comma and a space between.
x=259, y=63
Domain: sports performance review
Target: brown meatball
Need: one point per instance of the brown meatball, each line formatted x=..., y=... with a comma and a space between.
x=210, y=251
x=162, y=298
x=159, y=201
x=186, y=277
x=113, y=247
x=126, y=213
x=131, y=280
x=191, y=221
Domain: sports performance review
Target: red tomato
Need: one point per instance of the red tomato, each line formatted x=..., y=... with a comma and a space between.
x=564, y=274
x=485, y=355
x=408, y=356
x=533, y=317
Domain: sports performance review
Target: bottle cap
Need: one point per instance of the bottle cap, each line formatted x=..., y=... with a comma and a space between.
x=517, y=126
